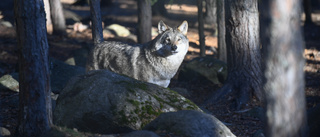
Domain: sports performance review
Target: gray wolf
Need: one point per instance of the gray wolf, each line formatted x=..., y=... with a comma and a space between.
x=155, y=62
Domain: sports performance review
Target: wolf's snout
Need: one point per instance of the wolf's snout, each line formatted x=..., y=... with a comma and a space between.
x=174, y=47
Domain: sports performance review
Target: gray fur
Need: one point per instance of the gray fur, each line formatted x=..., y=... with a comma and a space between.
x=155, y=62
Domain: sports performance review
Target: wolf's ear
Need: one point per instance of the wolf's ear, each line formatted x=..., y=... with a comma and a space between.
x=183, y=28
x=162, y=27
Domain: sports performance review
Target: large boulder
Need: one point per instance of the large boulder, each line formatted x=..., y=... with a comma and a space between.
x=189, y=123
x=204, y=68
x=60, y=73
x=105, y=102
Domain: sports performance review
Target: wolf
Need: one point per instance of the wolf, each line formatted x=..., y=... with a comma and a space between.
x=155, y=62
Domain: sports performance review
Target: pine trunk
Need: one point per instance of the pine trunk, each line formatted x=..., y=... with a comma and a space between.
x=222, y=52
x=35, y=116
x=211, y=12
x=97, y=33
x=284, y=77
x=57, y=17
x=243, y=53
x=144, y=21
x=202, y=43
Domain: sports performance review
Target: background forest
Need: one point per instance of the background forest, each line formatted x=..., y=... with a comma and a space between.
x=70, y=38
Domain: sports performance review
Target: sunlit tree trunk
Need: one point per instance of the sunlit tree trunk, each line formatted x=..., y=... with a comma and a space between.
x=284, y=76
x=57, y=17
x=35, y=116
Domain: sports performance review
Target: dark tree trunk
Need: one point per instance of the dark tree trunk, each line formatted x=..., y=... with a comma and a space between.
x=211, y=12
x=284, y=77
x=243, y=52
x=159, y=8
x=57, y=17
x=222, y=52
x=35, y=115
x=307, y=11
x=202, y=43
x=144, y=21
x=96, y=27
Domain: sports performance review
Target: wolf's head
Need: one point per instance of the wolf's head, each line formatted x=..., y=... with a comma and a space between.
x=171, y=41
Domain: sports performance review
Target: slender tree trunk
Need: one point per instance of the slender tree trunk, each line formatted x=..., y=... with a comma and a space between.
x=95, y=11
x=35, y=116
x=284, y=77
x=47, y=10
x=57, y=17
x=243, y=53
x=211, y=12
x=307, y=11
x=144, y=21
x=221, y=31
x=201, y=29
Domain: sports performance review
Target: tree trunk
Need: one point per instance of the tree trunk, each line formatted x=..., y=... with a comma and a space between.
x=158, y=8
x=243, y=52
x=284, y=77
x=307, y=11
x=202, y=43
x=222, y=53
x=57, y=17
x=48, y=13
x=144, y=21
x=97, y=34
x=35, y=115
x=211, y=12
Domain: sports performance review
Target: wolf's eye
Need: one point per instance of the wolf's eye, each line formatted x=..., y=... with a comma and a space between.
x=168, y=40
x=179, y=39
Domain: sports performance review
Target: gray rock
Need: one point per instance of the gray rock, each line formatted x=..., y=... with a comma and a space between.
x=141, y=133
x=105, y=102
x=258, y=133
x=7, y=81
x=80, y=57
x=190, y=123
x=119, y=30
x=182, y=91
x=61, y=73
x=6, y=24
x=207, y=68
x=4, y=132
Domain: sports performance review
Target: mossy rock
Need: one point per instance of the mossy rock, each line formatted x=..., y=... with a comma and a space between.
x=105, y=102
x=204, y=68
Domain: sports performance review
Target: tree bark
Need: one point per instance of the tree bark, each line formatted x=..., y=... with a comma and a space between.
x=158, y=8
x=307, y=11
x=35, y=116
x=144, y=21
x=211, y=12
x=284, y=77
x=202, y=43
x=57, y=17
x=97, y=33
x=243, y=53
x=222, y=52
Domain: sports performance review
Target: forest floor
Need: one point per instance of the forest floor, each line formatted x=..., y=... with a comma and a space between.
x=124, y=12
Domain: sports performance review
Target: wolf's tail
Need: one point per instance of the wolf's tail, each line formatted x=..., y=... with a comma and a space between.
x=97, y=34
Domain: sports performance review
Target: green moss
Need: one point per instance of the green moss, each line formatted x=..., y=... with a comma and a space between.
x=131, y=90
x=134, y=102
x=142, y=86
